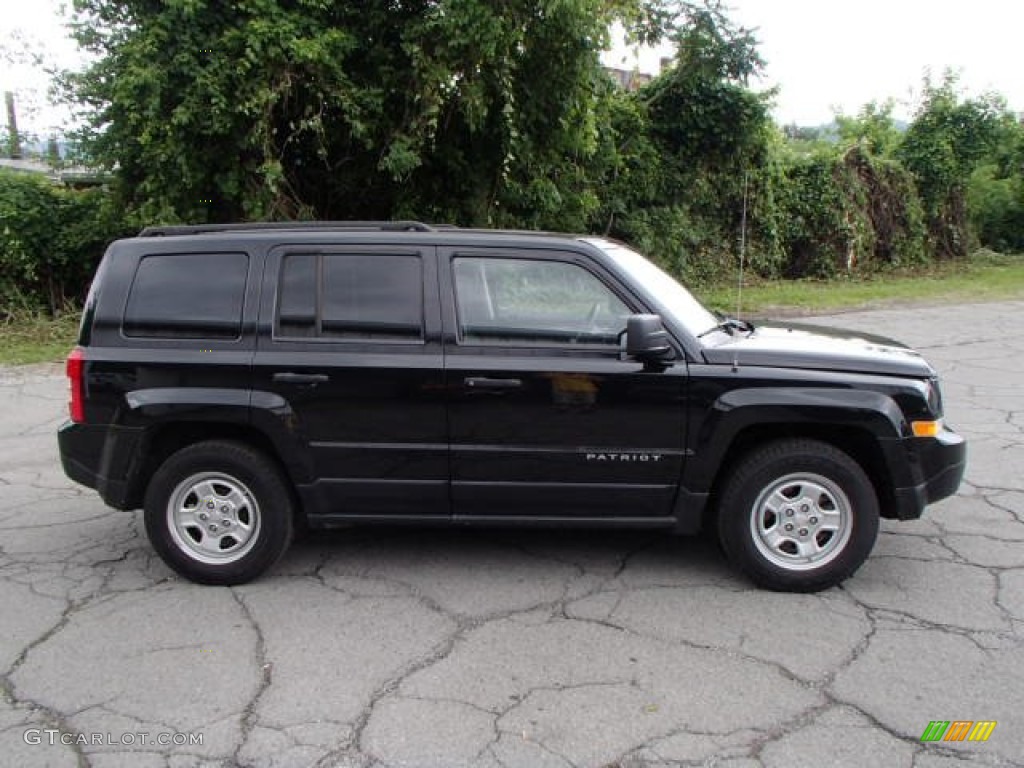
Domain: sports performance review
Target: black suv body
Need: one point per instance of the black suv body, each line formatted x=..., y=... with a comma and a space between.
x=237, y=381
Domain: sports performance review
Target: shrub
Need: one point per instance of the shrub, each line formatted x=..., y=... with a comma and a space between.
x=995, y=205
x=848, y=212
x=51, y=239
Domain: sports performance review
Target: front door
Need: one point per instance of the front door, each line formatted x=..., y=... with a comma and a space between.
x=546, y=418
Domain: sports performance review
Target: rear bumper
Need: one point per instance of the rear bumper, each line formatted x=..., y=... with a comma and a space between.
x=937, y=466
x=91, y=456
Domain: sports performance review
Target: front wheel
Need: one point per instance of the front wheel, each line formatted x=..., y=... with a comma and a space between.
x=798, y=515
x=219, y=512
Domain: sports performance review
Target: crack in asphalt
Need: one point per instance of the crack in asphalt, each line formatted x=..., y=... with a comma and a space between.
x=50, y=716
x=266, y=670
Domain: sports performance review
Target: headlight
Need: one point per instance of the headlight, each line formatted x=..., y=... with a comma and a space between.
x=934, y=396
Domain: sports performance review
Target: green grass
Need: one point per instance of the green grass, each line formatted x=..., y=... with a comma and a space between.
x=987, y=277
x=29, y=337
x=35, y=338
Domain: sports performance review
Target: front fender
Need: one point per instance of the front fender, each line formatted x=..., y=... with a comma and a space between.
x=819, y=408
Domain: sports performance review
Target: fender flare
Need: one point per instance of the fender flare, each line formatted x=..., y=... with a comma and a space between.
x=867, y=412
x=265, y=412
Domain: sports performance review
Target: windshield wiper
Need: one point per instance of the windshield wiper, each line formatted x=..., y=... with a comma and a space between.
x=730, y=325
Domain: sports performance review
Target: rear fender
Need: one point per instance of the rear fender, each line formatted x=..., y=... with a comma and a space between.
x=266, y=412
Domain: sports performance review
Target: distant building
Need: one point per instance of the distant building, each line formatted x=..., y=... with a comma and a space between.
x=634, y=79
x=76, y=177
x=25, y=165
x=630, y=79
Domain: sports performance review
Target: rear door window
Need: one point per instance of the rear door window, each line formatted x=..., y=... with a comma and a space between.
x=354, y=297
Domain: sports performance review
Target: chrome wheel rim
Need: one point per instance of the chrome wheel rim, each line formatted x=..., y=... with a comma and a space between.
x=213, y=518
x=801, y=521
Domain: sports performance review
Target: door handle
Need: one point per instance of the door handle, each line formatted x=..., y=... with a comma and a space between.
x=288, y=377
x=483, y=382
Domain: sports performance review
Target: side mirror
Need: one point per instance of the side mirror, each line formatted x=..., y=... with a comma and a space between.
x=646, y=339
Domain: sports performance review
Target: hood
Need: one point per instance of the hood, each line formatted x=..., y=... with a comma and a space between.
x=794, y=345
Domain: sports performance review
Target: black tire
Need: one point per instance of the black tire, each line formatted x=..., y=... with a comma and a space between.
x=798, y=516
x=245, y=504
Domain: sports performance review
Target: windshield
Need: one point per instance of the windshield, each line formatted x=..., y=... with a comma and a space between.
x=660, y=285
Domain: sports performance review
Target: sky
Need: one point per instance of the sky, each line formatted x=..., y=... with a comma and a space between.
x=823, y=56
x=827, y=56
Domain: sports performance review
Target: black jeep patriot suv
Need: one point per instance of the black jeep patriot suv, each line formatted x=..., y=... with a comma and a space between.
x=236, y=381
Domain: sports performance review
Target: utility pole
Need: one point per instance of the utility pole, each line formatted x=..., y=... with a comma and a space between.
x=14, y=150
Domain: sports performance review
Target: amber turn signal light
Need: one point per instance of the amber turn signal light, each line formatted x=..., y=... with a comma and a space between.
x=926, y=428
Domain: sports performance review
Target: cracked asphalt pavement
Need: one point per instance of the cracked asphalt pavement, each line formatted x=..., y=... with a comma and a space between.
x=394, y=647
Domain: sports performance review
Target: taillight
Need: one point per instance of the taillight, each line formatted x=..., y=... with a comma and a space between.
x=74, y=368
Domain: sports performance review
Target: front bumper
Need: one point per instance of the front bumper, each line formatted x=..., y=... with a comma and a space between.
x=937, y=466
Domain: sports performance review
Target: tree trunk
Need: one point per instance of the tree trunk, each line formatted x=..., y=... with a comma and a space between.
x=14, y=150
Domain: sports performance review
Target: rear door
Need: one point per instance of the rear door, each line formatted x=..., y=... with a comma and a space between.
x=351, y=364
x=547, y=421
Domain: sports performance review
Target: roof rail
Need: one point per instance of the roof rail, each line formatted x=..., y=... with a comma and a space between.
x=201, y=229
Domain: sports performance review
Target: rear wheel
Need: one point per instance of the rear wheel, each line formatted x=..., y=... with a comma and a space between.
x=219, y=512
x=798, y=515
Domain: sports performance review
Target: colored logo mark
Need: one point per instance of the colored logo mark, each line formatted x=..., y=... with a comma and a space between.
x=958, y=730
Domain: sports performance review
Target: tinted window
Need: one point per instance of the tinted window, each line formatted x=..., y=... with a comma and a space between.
x=193, y=295
x=297, y=301
x=343, y=296
x=535, y=302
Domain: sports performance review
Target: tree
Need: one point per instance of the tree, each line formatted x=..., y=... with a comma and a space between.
x=692, y=140
x=460, y=110
x=702, y=112
x=947, y=139
x=874, y=127
x=995, y=194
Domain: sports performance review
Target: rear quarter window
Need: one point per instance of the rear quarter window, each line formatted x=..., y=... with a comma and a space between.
x=187, y=296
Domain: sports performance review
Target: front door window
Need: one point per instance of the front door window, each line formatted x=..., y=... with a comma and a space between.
x=533, y=302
